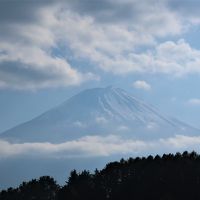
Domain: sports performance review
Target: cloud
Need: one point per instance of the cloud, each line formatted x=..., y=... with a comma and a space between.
x=139, y=15
x=141, y=85
x=186, y=9
x=33, y=68
x=194, y=101
x=86, y=146
x=79, y=124
x=123, y=128
x=112, y=46
x=90, y=146
x=101, y=120
x=152, y=126
x=173, y=58
x=41, y=42
x=176, y=57
x=27, y=58
x=182, y=142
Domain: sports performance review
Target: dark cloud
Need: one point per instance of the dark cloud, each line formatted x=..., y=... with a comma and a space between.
x=131, y=11
x=106, y=11
x=23, y=72
x=26, y=41
x=185, y=7
x=24, y=11
x=19, y=11
x=17, y=75
x=103, y=11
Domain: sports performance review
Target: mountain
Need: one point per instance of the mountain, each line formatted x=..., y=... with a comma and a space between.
x=99, y=111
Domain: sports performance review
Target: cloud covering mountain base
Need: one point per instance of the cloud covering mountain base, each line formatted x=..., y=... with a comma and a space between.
x=24, y=161
x=94, y=146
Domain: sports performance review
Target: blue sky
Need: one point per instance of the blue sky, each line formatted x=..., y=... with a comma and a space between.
x=50, y=50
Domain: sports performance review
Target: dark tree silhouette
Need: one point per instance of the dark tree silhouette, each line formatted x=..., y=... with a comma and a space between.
x=170, y=177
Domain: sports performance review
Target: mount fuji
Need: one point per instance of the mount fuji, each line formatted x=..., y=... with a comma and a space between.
x=99, y=111
x=86, y=131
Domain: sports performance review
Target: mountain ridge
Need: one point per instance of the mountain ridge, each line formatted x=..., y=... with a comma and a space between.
x=98, y=111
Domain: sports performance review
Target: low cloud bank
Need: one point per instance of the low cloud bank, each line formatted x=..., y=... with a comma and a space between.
x=91, y=146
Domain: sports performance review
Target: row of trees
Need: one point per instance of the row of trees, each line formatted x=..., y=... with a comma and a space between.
x=170, y=177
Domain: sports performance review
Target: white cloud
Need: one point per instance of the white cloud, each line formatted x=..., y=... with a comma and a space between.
x=179, y=58
x=112, y=46
x=27, y=58
x=79, y=124
x=101, y=120
x=123, y=128
x=90, y=146
x=139, y=84
x=32, y=68
x=86, y=146
x=182, y=142
x=37, y=50
x=194, y=101
x=152, y=126
x=174, y=58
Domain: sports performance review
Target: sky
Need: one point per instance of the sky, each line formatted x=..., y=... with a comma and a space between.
x=51, y=50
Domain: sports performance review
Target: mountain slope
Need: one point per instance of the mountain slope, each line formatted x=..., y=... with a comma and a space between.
x=99, y=111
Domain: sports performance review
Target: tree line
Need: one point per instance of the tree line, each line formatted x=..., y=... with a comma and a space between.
x=166, y=177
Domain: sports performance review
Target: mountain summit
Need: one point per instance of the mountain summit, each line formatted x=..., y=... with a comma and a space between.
x=99, y=111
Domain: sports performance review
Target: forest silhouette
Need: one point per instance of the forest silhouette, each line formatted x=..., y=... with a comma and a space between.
x=166, y=177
